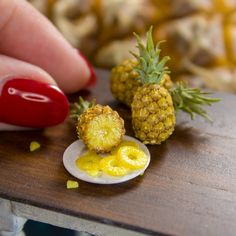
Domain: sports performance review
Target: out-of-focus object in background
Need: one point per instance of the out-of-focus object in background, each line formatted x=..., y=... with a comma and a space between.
x=97, y=27
x=77, y=20
x=200, y=34
x=121, y=47
x=201, y=40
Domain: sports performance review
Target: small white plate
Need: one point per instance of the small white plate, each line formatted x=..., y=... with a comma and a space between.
x=78, y=148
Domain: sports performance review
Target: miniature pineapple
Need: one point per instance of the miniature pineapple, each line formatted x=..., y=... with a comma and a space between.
x=153, y=115
x=153, y=107
x=124, y=81
x=99, y=127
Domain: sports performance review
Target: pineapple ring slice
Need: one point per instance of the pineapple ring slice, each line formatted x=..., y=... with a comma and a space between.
x=89, y=162
x=110, y=166
x=132, y=158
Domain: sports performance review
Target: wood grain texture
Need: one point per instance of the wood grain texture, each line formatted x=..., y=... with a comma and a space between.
x=188, y=189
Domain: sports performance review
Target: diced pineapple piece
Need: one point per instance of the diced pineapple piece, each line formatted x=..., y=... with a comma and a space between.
x=72, y=184
x=34, y=145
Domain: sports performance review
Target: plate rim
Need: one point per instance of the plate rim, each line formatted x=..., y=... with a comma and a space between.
x=110, y=179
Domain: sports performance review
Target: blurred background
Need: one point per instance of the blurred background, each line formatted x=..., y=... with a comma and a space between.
x=200, y=35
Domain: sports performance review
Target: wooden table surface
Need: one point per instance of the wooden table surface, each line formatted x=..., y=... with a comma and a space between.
x=188, y=189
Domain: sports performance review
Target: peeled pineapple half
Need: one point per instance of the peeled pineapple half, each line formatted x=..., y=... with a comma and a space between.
x=99, y=127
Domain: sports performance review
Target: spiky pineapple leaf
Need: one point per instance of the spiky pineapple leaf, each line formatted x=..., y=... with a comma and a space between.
x=150, y=68
x=191, y=100
x=79, y=107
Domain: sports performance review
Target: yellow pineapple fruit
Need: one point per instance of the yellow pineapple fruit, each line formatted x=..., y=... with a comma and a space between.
x=124, y=83
x=153, y=116
x=153, y=107
x=99, y=127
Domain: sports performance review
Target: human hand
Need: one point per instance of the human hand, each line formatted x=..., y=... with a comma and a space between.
x=36, y=65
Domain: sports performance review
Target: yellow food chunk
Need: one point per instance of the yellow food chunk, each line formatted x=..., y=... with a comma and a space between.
x=123, y=144
x=34, y=146
x=132, y=157
x=89, y=162
x=72, y=184
x=111, y=166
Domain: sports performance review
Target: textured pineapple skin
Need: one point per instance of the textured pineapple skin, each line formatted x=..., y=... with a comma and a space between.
x=153, y=116
x=102, y=113
x=124, y=83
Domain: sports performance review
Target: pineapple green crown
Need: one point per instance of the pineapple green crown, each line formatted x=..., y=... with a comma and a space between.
x=79, y=107
x=150, y=68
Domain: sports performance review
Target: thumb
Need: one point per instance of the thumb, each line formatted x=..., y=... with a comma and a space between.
x=29, y=96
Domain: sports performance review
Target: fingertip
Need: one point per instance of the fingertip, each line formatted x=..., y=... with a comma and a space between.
x=80, y=73
x=92, y=78
x=32, y=103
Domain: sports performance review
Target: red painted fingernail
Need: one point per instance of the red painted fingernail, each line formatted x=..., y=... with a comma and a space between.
x=31, y=103
x=93, y=78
